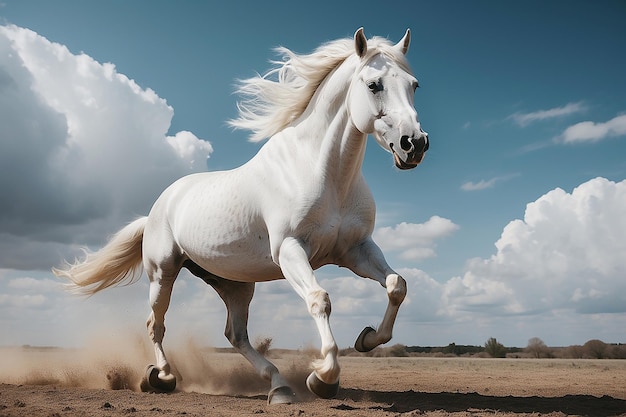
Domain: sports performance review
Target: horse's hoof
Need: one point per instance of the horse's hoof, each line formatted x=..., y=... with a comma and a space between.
x=359, y=345
x=151, y=382
x=321, y=388
x=281, y=395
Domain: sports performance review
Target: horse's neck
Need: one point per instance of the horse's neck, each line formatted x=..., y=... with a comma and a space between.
x=339, y=146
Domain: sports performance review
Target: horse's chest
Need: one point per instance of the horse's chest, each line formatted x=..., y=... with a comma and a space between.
x=330, y=231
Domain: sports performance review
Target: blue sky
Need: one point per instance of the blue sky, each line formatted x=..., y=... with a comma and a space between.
x=512, y=229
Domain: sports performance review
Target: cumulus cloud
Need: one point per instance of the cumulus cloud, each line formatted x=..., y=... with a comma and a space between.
x=83, y=149
x=567, y=253
x=414, y=241
x=593, y=132
x=524, y=119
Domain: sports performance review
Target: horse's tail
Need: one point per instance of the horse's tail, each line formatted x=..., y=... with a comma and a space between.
x=118, y=262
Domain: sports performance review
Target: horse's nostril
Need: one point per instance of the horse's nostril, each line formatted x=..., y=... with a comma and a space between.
x=421, y=144
x=405, y=143
x=427, y=143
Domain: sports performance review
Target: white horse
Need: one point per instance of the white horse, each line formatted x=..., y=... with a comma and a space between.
x=300, y=203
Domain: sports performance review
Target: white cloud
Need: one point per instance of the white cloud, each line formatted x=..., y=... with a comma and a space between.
x=35, y=309
x=480, y=185
x=593, y=132
x=567, y=253
x=187, y=145
x=28, y=284
x=414, y=241
x=83, y=149
x=484, y=184
x=22, y=301
x=423, y=300
x=524, y=119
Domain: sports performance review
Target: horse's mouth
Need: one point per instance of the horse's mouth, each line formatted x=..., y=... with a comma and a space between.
x=411, y=162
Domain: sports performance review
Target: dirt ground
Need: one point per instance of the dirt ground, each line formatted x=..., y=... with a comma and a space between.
x=56, y=382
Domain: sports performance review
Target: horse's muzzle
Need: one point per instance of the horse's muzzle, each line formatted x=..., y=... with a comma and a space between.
x=413, y=148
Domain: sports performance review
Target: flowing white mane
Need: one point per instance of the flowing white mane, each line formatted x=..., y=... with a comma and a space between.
x=270, y=105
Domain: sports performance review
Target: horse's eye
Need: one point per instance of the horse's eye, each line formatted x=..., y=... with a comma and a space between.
x=416, y=85
x=375, y=86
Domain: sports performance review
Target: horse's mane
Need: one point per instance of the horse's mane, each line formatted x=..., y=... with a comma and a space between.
x=270, y=105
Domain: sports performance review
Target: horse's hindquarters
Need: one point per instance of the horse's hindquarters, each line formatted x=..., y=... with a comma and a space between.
x=212, y=219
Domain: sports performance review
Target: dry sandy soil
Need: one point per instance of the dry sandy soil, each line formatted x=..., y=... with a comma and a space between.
x=96, y=382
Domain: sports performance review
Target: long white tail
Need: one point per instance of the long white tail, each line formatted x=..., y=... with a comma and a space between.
x=118, y=262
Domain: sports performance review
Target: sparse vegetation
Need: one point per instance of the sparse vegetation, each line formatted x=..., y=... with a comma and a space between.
x=536, y=349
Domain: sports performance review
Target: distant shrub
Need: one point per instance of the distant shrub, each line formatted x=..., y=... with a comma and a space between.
x=595, y=349
x=571, y=352
x=494, y=348
x=397, y=351
x=537, y=349
x=618, y=351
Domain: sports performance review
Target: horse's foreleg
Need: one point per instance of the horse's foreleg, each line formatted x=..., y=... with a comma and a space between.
x=369, y=337
x=237, y=297
x=294, y=263
x=368, y=261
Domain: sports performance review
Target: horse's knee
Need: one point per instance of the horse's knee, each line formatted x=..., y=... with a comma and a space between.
x=318, y=303
x=396, y=289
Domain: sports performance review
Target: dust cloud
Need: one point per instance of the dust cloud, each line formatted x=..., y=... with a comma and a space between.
x=120, y=362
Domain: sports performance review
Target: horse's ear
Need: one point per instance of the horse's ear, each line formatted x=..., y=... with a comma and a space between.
x=360, y=43
x=404, y=43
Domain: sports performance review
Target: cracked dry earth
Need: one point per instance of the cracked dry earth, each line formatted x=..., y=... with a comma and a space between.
x=57, y=382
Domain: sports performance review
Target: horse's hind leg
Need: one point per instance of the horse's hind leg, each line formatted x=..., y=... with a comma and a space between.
x=159, y=377
x=237, y=297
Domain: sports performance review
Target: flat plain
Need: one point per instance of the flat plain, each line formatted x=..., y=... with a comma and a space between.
x=88, y=382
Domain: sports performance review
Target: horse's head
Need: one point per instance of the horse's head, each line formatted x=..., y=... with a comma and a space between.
x=381, y=101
